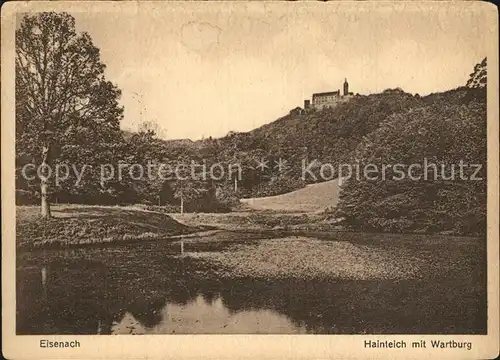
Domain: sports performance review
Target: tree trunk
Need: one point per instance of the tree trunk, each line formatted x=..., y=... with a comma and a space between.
x=44, y=282
x=44, y=186
x=45, y=209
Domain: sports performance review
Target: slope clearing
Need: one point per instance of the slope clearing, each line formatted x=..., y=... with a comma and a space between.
x=312, y=198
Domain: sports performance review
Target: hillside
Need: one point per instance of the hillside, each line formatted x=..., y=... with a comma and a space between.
x=312, y=198
x=328, y=136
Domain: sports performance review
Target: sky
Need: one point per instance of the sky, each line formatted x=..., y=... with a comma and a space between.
x=200, y=69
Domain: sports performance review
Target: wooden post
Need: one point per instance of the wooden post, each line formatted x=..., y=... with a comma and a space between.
x=182, y=203
x=182, y=246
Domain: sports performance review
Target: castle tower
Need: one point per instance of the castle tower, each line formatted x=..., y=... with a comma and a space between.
x=346, y=87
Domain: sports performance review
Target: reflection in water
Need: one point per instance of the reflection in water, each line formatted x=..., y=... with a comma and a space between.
x=208, y=317
x=151, y=288
x=135, y=289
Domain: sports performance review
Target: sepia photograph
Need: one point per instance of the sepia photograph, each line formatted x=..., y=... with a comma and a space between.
x=251, y=168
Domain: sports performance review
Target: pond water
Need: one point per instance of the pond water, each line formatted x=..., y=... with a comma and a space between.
x=151, y=288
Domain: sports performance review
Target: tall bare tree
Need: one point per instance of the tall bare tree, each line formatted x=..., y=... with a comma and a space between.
x=60, y=88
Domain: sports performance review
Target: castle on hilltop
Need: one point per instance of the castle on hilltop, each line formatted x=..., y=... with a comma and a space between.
x=324, y=100
x=328, y=99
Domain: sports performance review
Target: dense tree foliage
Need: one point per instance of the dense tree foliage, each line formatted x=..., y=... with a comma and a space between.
x=65, y=108
x=446, y=132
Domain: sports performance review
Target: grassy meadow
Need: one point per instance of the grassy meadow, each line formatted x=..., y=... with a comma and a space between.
x=312, y=198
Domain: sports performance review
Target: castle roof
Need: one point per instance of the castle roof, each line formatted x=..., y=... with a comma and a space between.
x=327, y=93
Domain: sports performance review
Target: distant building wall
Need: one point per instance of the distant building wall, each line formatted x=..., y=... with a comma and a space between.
x=328, y=99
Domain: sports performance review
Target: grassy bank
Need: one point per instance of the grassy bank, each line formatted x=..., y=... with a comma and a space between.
x=259, y=220
x=80, y=225
x=74, y=225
